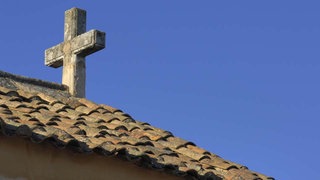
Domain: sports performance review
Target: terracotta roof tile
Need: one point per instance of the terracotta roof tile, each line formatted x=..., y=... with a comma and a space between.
x=84, y=126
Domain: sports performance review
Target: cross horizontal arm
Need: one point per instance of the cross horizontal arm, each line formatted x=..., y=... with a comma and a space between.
x=88, y=43
x=54, y=56
x=83, y=45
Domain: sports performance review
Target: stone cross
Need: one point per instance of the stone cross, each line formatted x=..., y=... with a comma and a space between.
x=72, y=52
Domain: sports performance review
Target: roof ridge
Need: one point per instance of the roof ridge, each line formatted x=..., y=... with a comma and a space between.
x=33, y=81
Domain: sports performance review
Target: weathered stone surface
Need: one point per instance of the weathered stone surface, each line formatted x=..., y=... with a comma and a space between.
x=72, y=52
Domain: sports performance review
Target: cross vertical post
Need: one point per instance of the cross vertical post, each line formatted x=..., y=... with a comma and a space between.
x=74, y=67
x=71, y=53
x=75, y=21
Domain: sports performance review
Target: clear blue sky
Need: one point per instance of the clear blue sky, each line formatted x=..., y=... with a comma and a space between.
x=239, y=78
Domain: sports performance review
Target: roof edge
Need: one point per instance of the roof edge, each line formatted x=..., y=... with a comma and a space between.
x=15, y=82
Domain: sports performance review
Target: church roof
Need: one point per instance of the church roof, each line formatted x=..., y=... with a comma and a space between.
x=45, y=112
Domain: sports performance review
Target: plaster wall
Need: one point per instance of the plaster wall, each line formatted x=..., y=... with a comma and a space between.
x=22, y=159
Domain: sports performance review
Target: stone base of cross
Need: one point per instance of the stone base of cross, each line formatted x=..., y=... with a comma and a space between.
x=72, y=52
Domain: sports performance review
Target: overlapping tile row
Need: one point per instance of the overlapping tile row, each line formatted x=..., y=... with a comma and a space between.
x=87, y=127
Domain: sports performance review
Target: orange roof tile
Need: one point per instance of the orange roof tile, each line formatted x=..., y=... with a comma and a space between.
x=77, y=123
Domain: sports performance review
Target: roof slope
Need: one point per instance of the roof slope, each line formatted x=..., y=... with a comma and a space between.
x=29, y=109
